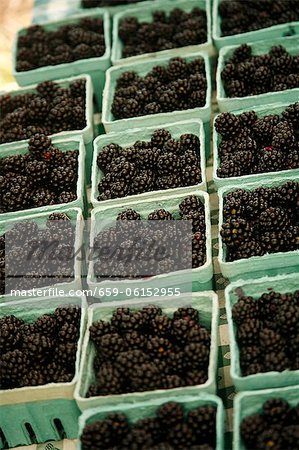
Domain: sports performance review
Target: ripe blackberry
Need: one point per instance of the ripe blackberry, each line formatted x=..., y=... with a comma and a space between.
x=151, y=426
x=276, y=361
x=235, y=231
x=271, y=160
x=109, y=380
x=107, y=155
x=186, y=312
x=181, y=329
x=38, y=144
x=160, y=214
x=96, y=435
x=62, y=178
x=190, y=142
x=111, y=345
x=291, y=114
x=126, y=362
x=158, y=347
x=270, y=437
x=33, y=378
x=170, y=414
x=99, y=329
x=196, y=355
x=67, y=197
x=246, y=308
x=273, y=217
x=180, y=435
x=249, y=355
x=190, y=159
x=251, y=428
x=248, y=332
x=37, y=346
x=228, y=169
x=128, y=214
x=190, y=204
x=38, y=170
x=236, y=88
x=13, y=365
x=168, y=163
x=146, y=378
x=43, y=197
x=150, y=312
x=202, y=422
x=144, y=181
x=263, y=128
x=38, y=109
x=46, y=325
x=9, y=332
x=283, y=138
x=68, y=314
x=226, y=124
x=177, y=68
x=276, y=410
x=287, y=318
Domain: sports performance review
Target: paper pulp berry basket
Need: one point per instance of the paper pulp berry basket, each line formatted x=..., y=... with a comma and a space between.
x=95, y=67
x=235, y=103
x=276, y=31
x=142, y=410
x=256, y=266
x=64, y=144
x=276, y=108
x=200, y=278
x=76, y=217
x=144, y=134
x=250, y=403
x=86, y=133
x=157, y=120
x=145, y=15
x=255, y=288
x=36, y=414
x=207, y=305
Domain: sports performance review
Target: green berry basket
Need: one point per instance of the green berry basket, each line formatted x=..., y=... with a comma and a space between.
x=156, y=120
x=276, y=31
x=86, y=133
x=237, y=103
x=64, y=144
x=201, y=278
x=207, y=305
x=36, y=414
x=76, y=217
x=261, y=111
x=270, y=264
x=95, y=67
x=255, y=288
x=250, y=403
x=145, y=15
x=142, y=410
x=144, y=134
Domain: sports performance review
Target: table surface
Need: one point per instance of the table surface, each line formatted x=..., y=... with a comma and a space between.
x=46, y=10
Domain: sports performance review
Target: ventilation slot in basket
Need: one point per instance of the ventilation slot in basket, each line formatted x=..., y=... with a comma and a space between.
x=32, y=435
x=59, y=427
x=3, y=440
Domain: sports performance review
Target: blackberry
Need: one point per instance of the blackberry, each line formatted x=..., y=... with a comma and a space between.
x=150, y=312
x=37, y=346
x=9, y=333
x=248, y=118
x=283, y=138
x=273, y=217
x=126, y=362
x=226, y=124
x=38, y=170
x=67, y=197
x=249, y=355
x=107, y=155
x=291, y=114
x=177, y=68
x=170, y=414
x=65, y=355
x=276, y=410
x=119, y=425
x=271, y=160
x=190, y=142
x=271, y=340
x=109, y=380
x=252, y=427
x=287, y=318
x=38, y=144
x=180, y=435
x=196, y=355
x=63, y=178
x=33, y=378
x=246, y=308
x=128, y=214
x=202, y=422
x=13, y=366
x=160, y=214
x=111, y=345
x=158, y=347
x=190, y=159
x=270, y=437
x=276, y=361
x=97, y=435
x=99, y=329
x=228, y=169
x=190, y=204
x=236, y=88
x=144, y=181
x=38, y=109
x=235, y=231
x=248, y=332
x=151, y=426
x=146, y=377
x=46, y=325
x=181, y=329
x=169, y=163
x=43, y=197
x=70, y=314
x=161, y=325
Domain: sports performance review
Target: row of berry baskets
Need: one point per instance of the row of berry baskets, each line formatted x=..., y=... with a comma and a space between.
x=115, y=363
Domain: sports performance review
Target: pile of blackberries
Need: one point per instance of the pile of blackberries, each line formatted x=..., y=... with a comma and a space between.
x=267, y=331
x=246, y=74
x=39, y=47
x=171, y=427
x=51, y=109
x=275, y=426
x=239, y=16
x=119, y=250
x=43, y=176
x=177, y=29
x=264, y=220
x=158, y=164
x=144, y=349
x=38, y=352
x=33, y=256
x=179, y=85
x=97, y=3
x=251, y=144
